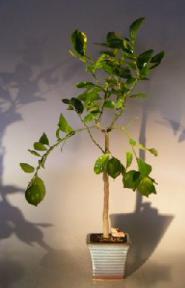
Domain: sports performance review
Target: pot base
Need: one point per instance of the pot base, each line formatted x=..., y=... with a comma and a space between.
x=110, y=277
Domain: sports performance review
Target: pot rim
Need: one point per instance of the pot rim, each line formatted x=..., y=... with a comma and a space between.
x=90, y=243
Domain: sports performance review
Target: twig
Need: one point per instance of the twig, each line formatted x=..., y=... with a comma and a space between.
x=91, y=136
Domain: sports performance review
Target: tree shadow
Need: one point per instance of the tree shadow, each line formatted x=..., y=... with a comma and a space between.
x=177, y=128
x=12, y=221
x=146, y=226
x=17, y=89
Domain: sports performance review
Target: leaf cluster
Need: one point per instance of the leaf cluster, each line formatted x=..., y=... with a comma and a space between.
x=139, y=179
x=36, y=191
x=115, y=74
x=122, y=66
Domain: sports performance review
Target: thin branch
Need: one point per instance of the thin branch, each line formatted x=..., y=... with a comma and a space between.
x=91, y=136
x=102, y=108
x=44, y=157
x=116, y=117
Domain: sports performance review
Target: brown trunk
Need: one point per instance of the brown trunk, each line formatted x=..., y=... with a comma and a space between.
x=106, y=195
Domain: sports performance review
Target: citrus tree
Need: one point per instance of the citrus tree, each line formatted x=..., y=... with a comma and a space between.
x=115, y=74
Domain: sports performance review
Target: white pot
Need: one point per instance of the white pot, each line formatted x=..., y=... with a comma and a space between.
x=108, y=259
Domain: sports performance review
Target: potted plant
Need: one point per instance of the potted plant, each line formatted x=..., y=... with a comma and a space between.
x=115, y=75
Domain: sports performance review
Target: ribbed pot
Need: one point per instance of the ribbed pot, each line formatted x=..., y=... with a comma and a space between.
x=108, y=259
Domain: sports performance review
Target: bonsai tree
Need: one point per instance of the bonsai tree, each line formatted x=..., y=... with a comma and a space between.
x=115, y=74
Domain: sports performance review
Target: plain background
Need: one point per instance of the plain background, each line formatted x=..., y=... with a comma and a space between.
x=45, y=246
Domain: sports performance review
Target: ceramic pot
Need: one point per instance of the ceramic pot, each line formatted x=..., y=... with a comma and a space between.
x=108, y=259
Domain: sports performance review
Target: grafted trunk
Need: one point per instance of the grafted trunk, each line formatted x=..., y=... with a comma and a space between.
x=106, y=195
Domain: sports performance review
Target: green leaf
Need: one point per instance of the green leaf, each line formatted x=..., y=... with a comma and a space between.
x=58, y=133
x=27, y=168
x=157, y=59
x=36, y=191
x=44, y=139
x=103, y=62
x=131, y=82
x=131, y=179
x=39, y=146
x=114, y=41
x=91, y=117
x=146, y=186
x=120, y=104
x=77, y=55
x=144, y=58
x=144, y=168
x=135, y=26
x=109, y=104
x=66, y=101
x=127, y=46
x=153, y=151
x=111, y=66
x=70, y=107
x=90, y=95
x=94, y=110
x=64, y=125
x=108, y=52
x=79, y=108
x=123, y=72
x=85, y=85
x=42, y=162
x=33, y=152
x=132, y=142
x=79, y=41
x=114, y=167
x=101, y=163
x=129, y=158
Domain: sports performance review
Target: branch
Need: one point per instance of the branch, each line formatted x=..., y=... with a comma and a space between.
x=139, y=145
x=102, y=108
x=91, y=136
x=44, y=157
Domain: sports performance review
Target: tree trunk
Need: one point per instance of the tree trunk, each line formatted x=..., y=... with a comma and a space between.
x=106, y=195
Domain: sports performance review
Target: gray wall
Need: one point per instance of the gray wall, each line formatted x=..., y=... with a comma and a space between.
x=40, y=246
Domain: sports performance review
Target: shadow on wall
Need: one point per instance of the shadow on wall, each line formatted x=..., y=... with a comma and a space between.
x=177, y=128
x=10, y=272
x=145, y=225
x=146, y=228
x=18, y=88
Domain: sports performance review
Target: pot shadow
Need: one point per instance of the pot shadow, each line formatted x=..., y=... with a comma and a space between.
x=145, y=226
x=154, y=273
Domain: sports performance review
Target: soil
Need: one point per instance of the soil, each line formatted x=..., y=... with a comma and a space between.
x=98, y=238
